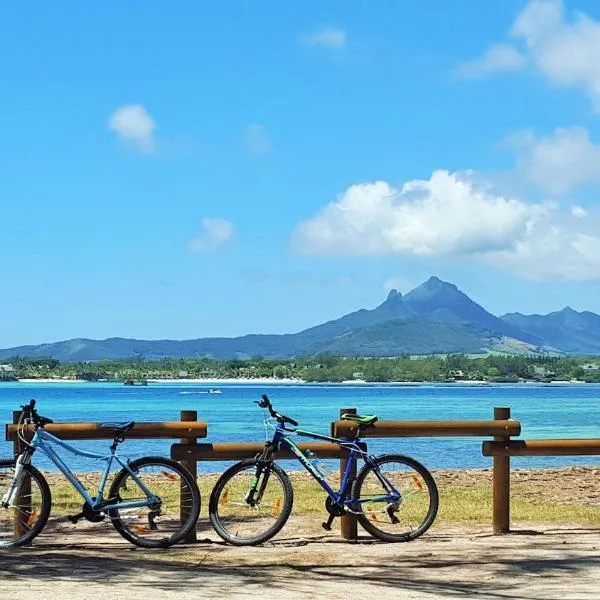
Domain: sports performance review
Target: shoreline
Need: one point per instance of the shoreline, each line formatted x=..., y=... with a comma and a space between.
x=229, y=380
x=48, y=380
x=293, y=381
x=443, y=475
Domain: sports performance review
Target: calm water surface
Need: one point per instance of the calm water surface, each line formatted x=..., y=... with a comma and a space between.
x=562, y=411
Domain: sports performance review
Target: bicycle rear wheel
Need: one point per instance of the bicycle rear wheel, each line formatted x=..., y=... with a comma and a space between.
x=23, y=520
x=406, y=518
x=243, y=520
x=166, y=523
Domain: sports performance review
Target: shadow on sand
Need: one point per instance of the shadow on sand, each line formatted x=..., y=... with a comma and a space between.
x=211, y=568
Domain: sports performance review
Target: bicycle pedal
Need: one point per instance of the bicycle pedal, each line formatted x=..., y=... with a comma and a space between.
x=327, y=524
x=75, y=518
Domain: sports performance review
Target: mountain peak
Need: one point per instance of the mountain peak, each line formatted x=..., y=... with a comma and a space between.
x=433, y=286
x=436, y=282
x=394, y=306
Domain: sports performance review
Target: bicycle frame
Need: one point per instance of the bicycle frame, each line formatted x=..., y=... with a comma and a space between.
x=42, y=440
x=355, y=447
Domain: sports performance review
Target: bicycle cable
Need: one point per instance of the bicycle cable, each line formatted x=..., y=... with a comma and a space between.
x=21, y=426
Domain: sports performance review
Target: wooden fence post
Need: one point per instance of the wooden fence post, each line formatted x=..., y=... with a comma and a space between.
x=348, y=523
x=501, y=481
x=188, y=415
x=23, y=500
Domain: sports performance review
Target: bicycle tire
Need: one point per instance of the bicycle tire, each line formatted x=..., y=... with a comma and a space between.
x=120, y=523
x=46, y=504
x=284, y=512
x=424, y=525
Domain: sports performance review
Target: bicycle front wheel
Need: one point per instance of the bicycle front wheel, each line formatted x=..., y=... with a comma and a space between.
x=168, y=521
x=405, y=516
x=24, y=519
x=251, y=502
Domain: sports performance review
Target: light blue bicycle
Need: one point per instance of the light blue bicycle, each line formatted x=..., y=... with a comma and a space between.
x=152, y=502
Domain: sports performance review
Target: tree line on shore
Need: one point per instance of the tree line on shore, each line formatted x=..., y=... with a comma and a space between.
x=322, y=368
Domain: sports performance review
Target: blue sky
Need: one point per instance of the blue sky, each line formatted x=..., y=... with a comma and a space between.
x=235, y=167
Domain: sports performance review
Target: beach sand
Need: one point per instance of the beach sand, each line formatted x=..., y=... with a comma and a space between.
x=537, y=561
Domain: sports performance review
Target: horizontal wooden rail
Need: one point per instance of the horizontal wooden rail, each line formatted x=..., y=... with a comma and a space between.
x=240, y=451
x=577, y=447
x=142, y=429
x=383, y=429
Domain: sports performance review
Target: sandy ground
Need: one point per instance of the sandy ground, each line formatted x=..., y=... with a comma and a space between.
x=535, y=562
x=91, y=561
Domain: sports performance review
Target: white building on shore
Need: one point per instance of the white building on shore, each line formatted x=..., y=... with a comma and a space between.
x=7, y=372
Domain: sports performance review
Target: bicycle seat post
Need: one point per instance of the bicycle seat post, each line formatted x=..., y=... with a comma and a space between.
x=118, y=439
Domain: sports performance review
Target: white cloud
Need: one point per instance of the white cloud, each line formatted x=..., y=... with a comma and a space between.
x=556, y=247
x=215, y=233
x=451, y=215
x=498, y=57
x=566, y=52
x=563, y=50
x=334, y=38
x=446, y=214
x=397, y=283
x=560, y=162
x=255, y=139
x=134, y=125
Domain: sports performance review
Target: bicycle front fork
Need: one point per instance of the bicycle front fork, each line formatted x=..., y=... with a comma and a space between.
x=254, y=495
x=10, y=496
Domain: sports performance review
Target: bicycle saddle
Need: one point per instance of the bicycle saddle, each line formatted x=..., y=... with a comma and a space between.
x=119, y=427
x=360, y=419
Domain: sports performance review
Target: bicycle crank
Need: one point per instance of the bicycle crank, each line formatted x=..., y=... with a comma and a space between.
x=334, y=509
x=88, y=513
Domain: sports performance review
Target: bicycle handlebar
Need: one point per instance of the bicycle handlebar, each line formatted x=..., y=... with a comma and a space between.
x=30, y=412
x=266, y=403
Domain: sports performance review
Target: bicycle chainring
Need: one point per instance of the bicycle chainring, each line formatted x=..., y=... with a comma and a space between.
x=333, y=508
x=91, y=515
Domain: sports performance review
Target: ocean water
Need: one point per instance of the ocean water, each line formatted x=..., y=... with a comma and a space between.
x=545, y=411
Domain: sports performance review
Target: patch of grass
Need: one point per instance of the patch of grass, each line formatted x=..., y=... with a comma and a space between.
x=458, y=503
x=474, y=504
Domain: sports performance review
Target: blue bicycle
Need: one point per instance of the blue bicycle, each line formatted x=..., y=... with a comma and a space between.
x=394, y=497
x=153, y=502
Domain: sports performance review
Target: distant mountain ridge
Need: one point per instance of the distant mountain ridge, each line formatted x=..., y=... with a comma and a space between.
x=435, y=317
x=571, y=331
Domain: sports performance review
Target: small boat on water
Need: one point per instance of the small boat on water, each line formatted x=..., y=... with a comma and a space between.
x=215, y=391
x=131, y=382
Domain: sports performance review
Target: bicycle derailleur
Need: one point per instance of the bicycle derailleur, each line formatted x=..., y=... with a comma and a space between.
x=334, y=509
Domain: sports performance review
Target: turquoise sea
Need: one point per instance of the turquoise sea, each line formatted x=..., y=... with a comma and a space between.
x=545, y=411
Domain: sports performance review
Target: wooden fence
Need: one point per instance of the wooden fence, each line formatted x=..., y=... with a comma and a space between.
x=502, y=450
x=189, y=452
